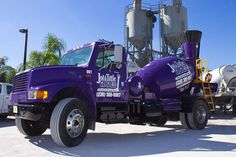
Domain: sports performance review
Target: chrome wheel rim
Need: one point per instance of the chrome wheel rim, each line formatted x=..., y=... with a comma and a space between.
x=75, y=123
x=201, y=114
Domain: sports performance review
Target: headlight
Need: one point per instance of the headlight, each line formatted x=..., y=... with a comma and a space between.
x=38, y=94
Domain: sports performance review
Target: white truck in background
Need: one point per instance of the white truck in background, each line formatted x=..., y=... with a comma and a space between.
x=225, y=77
x=5, y=91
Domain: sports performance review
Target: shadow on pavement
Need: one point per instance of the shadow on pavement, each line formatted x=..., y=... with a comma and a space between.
x=7, y=122
x=223, y=116
x=149, y=143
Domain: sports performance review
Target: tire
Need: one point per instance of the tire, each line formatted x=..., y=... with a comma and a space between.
x=29, y=128
x=160, y=121
x=69, y=122
x=198, y=118
x=2, y=117
x=184, y=120
x=234, y=106
x=234, y=109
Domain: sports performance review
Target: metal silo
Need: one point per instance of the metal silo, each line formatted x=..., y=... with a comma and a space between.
x=139, y=24
x=173, y=21
x=140, y=28
x=139, y=32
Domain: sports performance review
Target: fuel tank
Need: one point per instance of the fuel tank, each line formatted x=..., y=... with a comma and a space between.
x=167, y=77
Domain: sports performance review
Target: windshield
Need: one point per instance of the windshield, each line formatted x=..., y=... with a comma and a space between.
x=77, y=57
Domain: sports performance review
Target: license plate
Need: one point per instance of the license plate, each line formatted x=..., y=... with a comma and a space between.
x=15, y=109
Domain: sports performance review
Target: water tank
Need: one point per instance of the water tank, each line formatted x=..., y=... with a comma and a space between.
x=167, y=77
x=140, y=25
x=225, y=77
x=173, y=20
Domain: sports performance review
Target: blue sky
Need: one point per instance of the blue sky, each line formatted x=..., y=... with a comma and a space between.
x=81, y=21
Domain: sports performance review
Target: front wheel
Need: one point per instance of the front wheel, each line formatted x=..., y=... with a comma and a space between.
x=69, y=122
x=30, y=128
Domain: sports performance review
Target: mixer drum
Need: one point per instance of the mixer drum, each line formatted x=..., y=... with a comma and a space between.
x=167, y=77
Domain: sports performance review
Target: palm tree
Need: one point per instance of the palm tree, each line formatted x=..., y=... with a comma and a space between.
x=3, y=60
x=37, y=59
x=42, y=59
x=51, y=55
x=53, y=44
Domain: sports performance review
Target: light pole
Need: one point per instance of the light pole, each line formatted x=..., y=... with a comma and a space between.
x=25, y=31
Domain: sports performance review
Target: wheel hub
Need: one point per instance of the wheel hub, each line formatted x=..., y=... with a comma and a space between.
x=75, y=123
x=201, y=114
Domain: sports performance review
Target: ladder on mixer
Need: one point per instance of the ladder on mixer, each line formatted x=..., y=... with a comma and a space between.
x=202, y=66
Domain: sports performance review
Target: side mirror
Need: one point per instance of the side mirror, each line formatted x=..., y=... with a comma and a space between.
x=118, y=53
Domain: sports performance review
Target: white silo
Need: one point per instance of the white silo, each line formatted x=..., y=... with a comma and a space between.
x=173, y=21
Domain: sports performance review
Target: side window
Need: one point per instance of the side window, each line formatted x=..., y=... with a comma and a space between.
x=104, y=58
x=99, y=60
x=9, y=89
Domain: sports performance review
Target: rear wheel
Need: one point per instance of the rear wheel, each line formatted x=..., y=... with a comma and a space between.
x=184, y=120
x=234, y=109
x=234, y=106
x=198, y=118
x=30, y=128
x=69, y=122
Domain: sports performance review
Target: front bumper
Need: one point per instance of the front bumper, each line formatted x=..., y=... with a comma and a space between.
x=26, y=111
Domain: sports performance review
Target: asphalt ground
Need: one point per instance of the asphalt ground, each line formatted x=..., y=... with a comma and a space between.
x=121, y=140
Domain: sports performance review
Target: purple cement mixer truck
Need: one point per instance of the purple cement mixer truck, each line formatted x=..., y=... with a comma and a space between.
x=92, y=84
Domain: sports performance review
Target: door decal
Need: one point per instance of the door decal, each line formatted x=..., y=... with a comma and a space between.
x=108, y=85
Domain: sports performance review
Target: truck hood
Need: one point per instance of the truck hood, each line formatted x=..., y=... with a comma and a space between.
x=52, y=74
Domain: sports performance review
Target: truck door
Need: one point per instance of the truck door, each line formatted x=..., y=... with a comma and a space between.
x=110, y=76
x=6, y=97
x=1, y=98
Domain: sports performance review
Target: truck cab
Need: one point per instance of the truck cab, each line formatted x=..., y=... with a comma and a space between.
x=93, y=74
x=5, y=91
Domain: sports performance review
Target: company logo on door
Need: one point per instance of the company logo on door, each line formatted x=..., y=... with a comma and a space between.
x=108, y=85
x=108, y=81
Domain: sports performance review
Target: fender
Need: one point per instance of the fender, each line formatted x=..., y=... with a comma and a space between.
x=85, y=89
x=188, y=101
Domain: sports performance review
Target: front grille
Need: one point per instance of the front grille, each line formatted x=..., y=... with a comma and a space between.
x=21, y=82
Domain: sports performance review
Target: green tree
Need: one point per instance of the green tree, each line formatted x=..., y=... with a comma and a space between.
x=7, y=73
x=53, y=44
x=19, y=68
x=10, y=75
